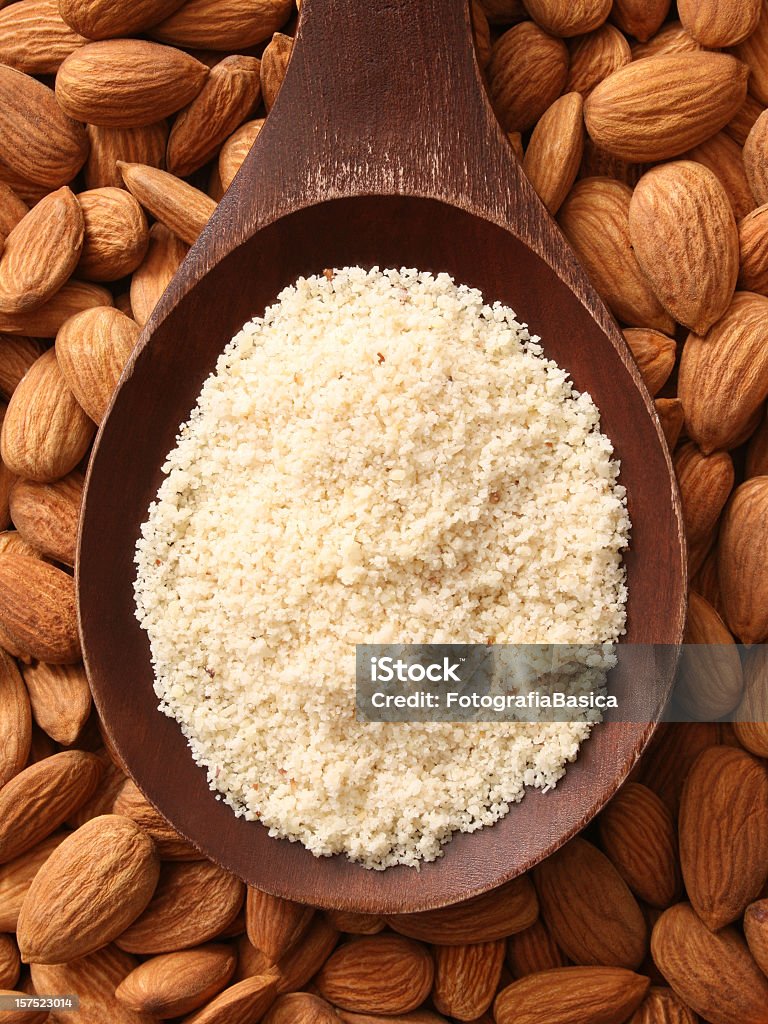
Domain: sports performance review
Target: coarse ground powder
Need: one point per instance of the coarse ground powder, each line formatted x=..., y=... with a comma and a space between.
x=381, y=458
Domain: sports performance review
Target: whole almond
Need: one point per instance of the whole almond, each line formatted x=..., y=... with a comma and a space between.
x=17, y=354
x=751, y=716
x=723, y=826
x=273, y=924
x=724, y=158
x=718, y=25
x=41, y=252
x=663, y=1006
x=223, y=24
x=130, y=802
x=755, y=155
x=45, y=432
x=39, y=141
x=163, y=259
x=527, y=72
x=38, y=610
x=143, y=145
x=533, y=950
x=594, y=57
x=183, y=209
x=571, y=995
x=554, y=151
x=742, y=548
x=705, y=483
x=47, y=515
x=710, y=681
x=589, y=908
x=723, y=377
x=127, y=82
x=89, y=890
x=563, y=18
x=231, y=92
x=92, y=348
x=236, y=149
x=466, y=978
x=94, y=979
x=177, y=983
x=45, y=321
x=753, y=251
x=671, y=38
x=274, y=64
x=493, y=915
x=385, y=974
x=637, y=832
x=193, y=903
x=116, y=234
x=16, y=877
x=659, y=107
x=242, y=1003
x=34, y=38
x=301, y=1008
x=595, y=220
x=654, y=354
x=754, y=52
x=684, y=236
x=713, y=973
x=756, y=932
x=640, y=18
x=10, y=964
x=36, y=801
x=102, y=19
x=355, y=924
x=15, y=721
x=60, y=698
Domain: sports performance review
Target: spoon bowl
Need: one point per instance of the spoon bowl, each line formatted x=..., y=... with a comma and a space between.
x=388, y=166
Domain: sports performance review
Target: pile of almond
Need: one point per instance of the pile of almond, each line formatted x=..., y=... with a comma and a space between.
x=644, y=130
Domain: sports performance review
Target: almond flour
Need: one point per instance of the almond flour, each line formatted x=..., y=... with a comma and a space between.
x=383, y=457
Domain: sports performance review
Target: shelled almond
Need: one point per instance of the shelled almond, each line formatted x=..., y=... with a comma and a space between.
x=121, y=125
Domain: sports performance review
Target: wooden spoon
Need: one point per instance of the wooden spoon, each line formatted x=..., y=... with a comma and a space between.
x=381, y=149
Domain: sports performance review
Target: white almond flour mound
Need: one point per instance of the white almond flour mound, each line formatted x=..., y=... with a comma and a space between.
x=381, y=458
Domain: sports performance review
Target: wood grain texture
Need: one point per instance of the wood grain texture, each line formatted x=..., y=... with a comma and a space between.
x=392, y=164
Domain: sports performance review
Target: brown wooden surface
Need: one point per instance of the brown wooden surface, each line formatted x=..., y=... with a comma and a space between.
x=381, y=149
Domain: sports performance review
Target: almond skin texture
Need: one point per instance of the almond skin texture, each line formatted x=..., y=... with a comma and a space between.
x=116, y=234
x=754, y=52
x=130, y=802
x=723, y=157
x=533, y=950
x=144, y=145
x=379, y=974
x=493, y=915
x=236, y=149
x=102, y=19
x=466, y=978
x=223, y=24
x=193, y=903
x=88, y=891
x=637, y=833
x=183, y=209
x=148, y=283
x=41, y=252
x=45, y=321
x=301, y=963
x=723, y=828
x=39, y=799
x=554, y=152
x=568, y=19
x=742, y=548
x=15, y=721
x=723, y=377
x=713, y=973
x=640, y=18
x=672, y=38
x=595, y=220
x=710, y=681
x=17, y=354
x=301, y=1008
x=589, y=909
x=34, y=38
x=127, y=82
x=230, y=94
x=659, y=107
x=10, y=965
x=571, y=995
x=355, y=924
x=16, y=877
x=242, y=1003
x=527, y=72
x=47, y=515
x=684, y=235
x=753, y=251
x=177, y=983
x=654, y=354
x=274, y=925
x=274, y=64
x=671, y=419
x=92, y=348
x=12, y=209
x=718, y=25
x=60, y=698
x=93, y=978
x=705, y=483
x=594, y=57
x=662, y=1006
x=751, y=718
x=755, y=155
x=40, y=143
x=38, y=610
x=757, y=451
